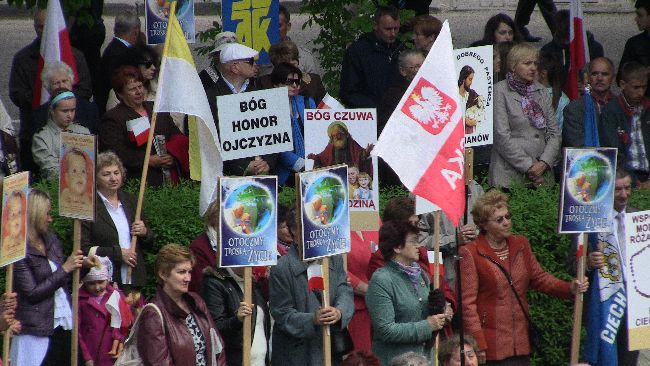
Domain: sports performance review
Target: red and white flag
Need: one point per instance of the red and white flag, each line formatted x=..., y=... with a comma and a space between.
x=315, y=277
x=55, y=46
x=578, y=49
x=431, y=254
x=329, y=102
x=423, y=139
x=138, y=130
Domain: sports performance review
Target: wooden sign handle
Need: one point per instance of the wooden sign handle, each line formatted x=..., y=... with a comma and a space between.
x=76, y=246
x=578, y=302
x=248, y=321
x=327, y=341
x=6, y=341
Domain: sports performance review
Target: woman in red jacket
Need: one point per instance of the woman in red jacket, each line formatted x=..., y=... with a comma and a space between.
x=491, y=312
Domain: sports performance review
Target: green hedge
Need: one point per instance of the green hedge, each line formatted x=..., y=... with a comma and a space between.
x=172, y=213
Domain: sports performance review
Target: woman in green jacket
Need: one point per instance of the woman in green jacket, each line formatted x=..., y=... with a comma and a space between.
x=397, y=297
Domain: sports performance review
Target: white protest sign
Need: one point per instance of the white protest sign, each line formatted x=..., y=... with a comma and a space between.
x=637, y=275
x=474, y=70
x=254, y=123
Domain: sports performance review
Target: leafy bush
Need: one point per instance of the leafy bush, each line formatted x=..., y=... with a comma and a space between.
x=172, y=215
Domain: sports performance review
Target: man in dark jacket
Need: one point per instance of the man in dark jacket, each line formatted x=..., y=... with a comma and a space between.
x=126, y=33
x=601, y=75
x=238, y=70
x=625, y=123
x=371, y=61
x=559, y=46
x=637, y=48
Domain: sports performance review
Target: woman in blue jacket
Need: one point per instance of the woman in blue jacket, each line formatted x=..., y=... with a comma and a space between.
x=288, y=75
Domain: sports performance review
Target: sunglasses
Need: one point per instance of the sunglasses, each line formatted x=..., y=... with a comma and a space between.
x=500, y=219
x=250, y=61
x=147, y=64
x=295, y=82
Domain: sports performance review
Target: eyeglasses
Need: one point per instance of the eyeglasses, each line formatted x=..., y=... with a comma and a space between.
x=500, y=219
x=295, y=82
x=414, y=67
x=147, y=64
x=250, y=61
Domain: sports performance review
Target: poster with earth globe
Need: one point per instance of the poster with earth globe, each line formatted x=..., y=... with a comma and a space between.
x=325, y=212
x=587, y=197
x=248, y=221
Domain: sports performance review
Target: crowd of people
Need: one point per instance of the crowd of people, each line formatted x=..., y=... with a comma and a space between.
x=384, y=298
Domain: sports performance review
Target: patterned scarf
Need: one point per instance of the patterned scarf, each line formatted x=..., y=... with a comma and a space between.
x=413, y=272
x=531, y=108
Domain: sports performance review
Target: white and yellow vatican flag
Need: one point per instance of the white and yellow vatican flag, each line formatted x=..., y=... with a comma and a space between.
x=180, y=90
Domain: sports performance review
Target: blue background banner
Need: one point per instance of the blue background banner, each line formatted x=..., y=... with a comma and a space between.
x=587, y=197
x=325, y=212
x=157, y=15
x=248, y=222
x=255, y=22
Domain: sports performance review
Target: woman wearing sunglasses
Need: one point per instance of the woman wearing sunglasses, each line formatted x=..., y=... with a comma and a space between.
x=147, y=61
x=495, y=312
x=288, y=75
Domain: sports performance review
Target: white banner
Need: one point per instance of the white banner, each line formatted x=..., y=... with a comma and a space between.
x=637, y=278
x=254, y=123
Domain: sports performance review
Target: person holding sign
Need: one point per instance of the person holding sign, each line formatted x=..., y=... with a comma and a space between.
x=224, y=295
x=397, y=297
x=46, y=144
x=238, y=71
x=497, y=270
x=288, y=75
x=111, y=231
x=186, y=334
x=297, y=334
x=41, y=281
x=125, y=128
x=526, y=134
x=607, y=270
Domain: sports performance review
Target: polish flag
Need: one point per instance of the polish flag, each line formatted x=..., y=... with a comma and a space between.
x=431, y=254
x=55, y=46
x=578, y=49
x=315, y=277
x=138, y=130
x=329, y=102
x=423, y=139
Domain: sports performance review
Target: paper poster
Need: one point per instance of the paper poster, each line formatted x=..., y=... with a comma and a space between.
x=256, y=23
x=248, y=221
x=351, y=134
x=77, y=176
x=475, y=86
x=15, y=189
x=587, y=194
x=325, y=212
x=254, y=123
x=637, y=275
x=157, y=15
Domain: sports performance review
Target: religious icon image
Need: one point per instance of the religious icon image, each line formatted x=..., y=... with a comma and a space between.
x=473, y=102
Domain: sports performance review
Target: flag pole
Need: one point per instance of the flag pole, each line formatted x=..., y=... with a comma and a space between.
x=147, y=154
x=9, y=285
x=578, y=301
x=436, y=273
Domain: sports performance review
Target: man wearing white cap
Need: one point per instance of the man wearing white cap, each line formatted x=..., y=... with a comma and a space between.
x=211, y=74
x=238, y=71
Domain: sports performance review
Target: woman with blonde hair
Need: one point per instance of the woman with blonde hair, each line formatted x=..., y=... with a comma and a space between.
x=526, y=134
x=181, y=332
x=41, y=281
x=497, y=269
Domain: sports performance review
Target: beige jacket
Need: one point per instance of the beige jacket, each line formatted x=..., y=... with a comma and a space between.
x=517, y=143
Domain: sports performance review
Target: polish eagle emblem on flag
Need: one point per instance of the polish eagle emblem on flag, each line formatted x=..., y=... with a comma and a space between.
x=429, y=106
